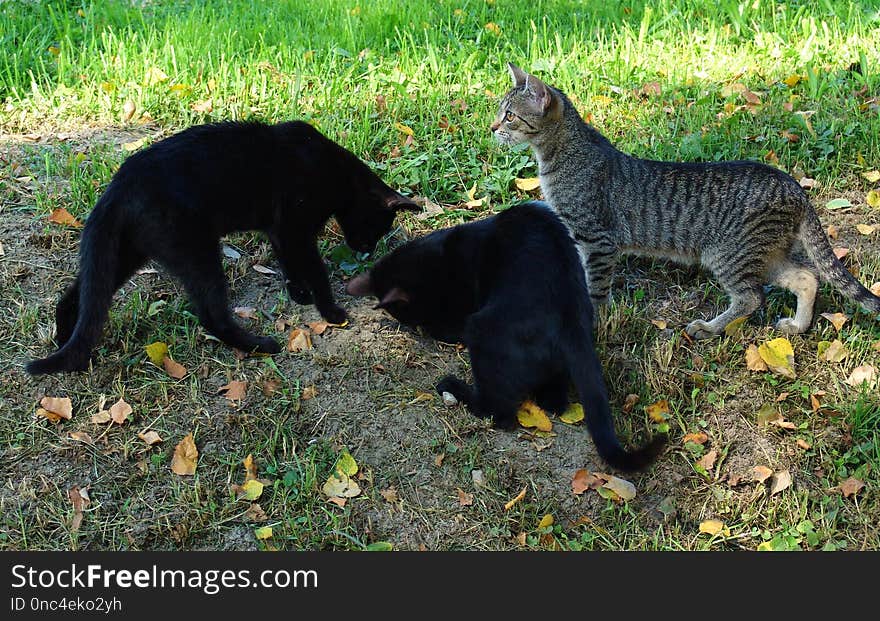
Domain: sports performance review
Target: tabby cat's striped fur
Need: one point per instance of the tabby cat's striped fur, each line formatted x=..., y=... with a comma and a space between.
x=745, y=221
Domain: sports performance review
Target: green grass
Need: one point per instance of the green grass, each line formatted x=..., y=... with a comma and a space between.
x=363, y=73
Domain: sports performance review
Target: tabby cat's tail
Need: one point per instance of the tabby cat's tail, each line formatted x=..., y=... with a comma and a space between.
x=830, y=268
x=90, y=296
x=586, y=372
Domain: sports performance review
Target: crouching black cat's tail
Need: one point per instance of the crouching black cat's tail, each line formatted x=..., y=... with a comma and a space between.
x=586, y=372
x=82, y=310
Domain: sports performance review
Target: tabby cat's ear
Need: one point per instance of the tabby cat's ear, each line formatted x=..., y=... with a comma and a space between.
x=396, y=294
x=518, y=75
x=538, y=94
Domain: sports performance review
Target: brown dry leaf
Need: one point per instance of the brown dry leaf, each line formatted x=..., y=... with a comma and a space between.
x=338, y=501
x=761, y=473
x=250, y=468
x=174, y=369
x=629, y=403
x=651, y=88
x=659, y=411
x=246, y=312
x=837, y=319
x=832, y=231
x=754, y=362
x=255, y=513
x=299, y=340
x=55, y=408
x=697, y=438
x=80, y=500
x=864, y=373
x=840, y=252
x=835, y=352
x=390, y=494
x=623, y=488
x=318, y=327
x=150, y=437
x=101, y=417
x=584, y=480
x=81, y=436
x=780, y=481
x=234, y=390
x=875, y=289
x=850, y=486
x=185, y=457
x=707, y=461
x=203, y=107
x=510, y=503
x=309, y=392
x=782, y=396
x=120, y=411
x=62, y=216
x=270, y=386
x=464, y=499
x=660, y=323
x=802, y=444
x=438, y=460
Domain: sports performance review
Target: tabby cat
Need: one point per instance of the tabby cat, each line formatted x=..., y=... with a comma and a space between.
x=174, y=200
x=510, y=287
x=747, y=222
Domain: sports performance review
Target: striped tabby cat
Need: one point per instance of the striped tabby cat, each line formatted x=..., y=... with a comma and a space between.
x=744, y=221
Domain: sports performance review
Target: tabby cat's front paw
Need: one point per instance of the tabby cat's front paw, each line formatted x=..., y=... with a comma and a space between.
x=699, y=330
x=787, y=325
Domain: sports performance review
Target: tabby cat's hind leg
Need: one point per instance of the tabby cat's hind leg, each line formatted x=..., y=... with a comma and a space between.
x=803, y=283
x=745, y=298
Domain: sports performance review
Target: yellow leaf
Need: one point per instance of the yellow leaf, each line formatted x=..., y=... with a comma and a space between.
x=872, y=175
x=837, y=319
x=753, y=360
x=779, y=357
x=185, y=457
x=527, y=185
x=873, y=198
x=792, y=80
x=157, y=352
x=659, y=411
x=660, y=323
x=404, y=129
x=573, y=414
x=602, y=99
x=834, y=352
x=711, y=527
x=735, y=326
x=264, y=532
x=765, y=547
x=473, y=202
x=154, y=76
x=865, y=229
x=108, y=87
x=250, y=469
x=530, y=415
x=346, y=464
x=510, y=503
x=340, y=486
x=251, y=490
x=493, y=28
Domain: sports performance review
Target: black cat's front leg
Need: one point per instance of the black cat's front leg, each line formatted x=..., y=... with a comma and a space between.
x=307, y=279
x=482, y=404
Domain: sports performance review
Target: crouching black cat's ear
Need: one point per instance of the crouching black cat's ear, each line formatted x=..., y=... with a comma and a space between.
x=362, y=285
x=398, y=202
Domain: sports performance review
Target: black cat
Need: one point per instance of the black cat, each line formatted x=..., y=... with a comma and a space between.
x=511, y=288
x=174, y=200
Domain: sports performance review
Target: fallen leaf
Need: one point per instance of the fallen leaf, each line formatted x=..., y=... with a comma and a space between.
x=128, y=110
x=837, y=319
x=154, y=76
x=807, y=183
x=390, y=494
x=861, y=374
x=174, y=369
x=584, y=480
x=832, y=231
x=510, y=503
x=464, y=499
x=264, y=532
x=658, y=412
x=779, y=357
x=101, y=417
x=150, y=437
x=203, y=107
x=55, y=408
x=404, y=129
x=659, y=323
x=802, y=444
x=707, y=461
x=761, y=473
x=875, y=289
x=754, y=362
x=697, y=438
x=185, y=456
x=119, y=411
x=850, y=487
x=338, y=501
x=255, y=513
x=546, y=521
x=262, y=269
x=250, y=468
x=521, y=539
x=251, y=490
x=309, y=392
x=318, y=327
x=621, y=487
x=872, y=175
x=299, y=340
x=782, y=397
x=835, y=352
x=735, y=326
x=157, y=352
x=341, y=486
x=270, y=386
x=866, y=229
x=81, y=436
x=438, y=459
x=873, y=199
x=79, y=500
x=840, y=252
x=530, y=415
x=837, y=203
x=234, y=390
x=573, y=414
x=527, y=185
x=345, y=464
x=711, y=527
x=473, y=202
x=780, y=481
x=246, y=312
x=62, y=216
x=629, y=403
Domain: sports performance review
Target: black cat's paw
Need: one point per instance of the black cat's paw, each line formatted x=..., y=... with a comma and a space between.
x=267, y=345
x=552, y=404
x=506, y=422
x=300, y=294
x=334, y=314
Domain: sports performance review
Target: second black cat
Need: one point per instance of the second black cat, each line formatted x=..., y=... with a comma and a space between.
x=174, y=200
x=512, y=289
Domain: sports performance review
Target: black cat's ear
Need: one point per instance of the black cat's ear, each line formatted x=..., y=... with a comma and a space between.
x=360, y=285
x=518, y=75
x=397, y=202
x=395, y=295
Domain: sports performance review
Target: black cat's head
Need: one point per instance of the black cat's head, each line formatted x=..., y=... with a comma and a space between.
x=418, y=285
x=367, y=213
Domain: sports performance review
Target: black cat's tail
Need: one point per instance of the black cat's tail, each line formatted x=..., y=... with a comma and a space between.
x=90, y=295
x=586, y=373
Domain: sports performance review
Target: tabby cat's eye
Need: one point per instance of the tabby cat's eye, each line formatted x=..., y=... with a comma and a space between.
x=509, y=116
